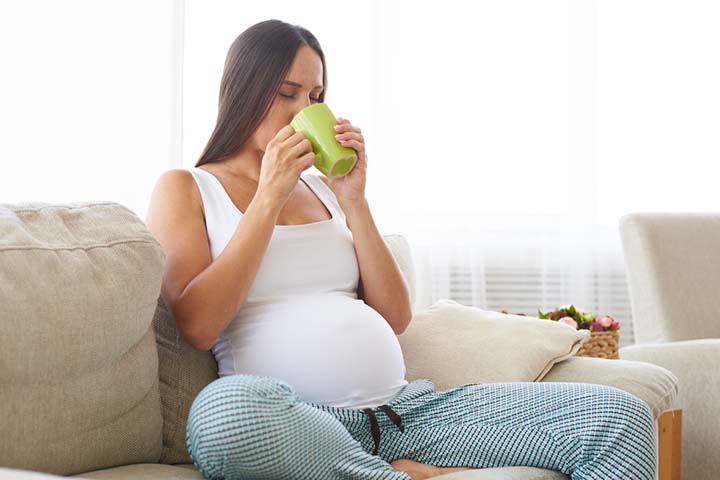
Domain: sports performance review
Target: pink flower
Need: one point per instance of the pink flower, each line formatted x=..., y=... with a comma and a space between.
x=569, y=322
x=606, y=321
x=596, y=327
x=615, y=324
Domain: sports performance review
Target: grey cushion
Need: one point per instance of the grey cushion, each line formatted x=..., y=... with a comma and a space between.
x=78, y=362
x=184, y=371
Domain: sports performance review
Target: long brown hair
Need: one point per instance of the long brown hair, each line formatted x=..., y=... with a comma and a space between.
x=255, y=67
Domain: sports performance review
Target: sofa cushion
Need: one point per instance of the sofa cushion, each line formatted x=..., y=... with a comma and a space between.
x=78, y=363
x=145, y=471
x=505, y=473
x=189, y=472
x=184, y=371
x=16, y=474
x=453, y=345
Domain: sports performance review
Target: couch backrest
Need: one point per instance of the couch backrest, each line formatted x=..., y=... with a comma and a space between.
x=185, y=371
x=673, y=267
x=79, y=387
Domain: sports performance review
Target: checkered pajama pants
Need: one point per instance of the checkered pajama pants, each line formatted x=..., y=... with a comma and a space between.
x=255, y=427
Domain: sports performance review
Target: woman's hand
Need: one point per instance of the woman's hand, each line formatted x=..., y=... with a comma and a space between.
x=286, y=156
x=350, y=189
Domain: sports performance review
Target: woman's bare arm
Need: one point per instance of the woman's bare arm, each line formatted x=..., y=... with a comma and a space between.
x=382, y=282
x=205, y=295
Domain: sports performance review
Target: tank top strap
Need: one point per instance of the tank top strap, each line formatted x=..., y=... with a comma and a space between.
x=221, y=214
x=325, y=194
x=216, y=202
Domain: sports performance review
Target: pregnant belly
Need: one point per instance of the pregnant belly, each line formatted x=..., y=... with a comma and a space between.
x=331, y=348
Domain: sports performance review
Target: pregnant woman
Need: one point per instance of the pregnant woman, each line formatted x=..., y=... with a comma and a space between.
x=285, y=277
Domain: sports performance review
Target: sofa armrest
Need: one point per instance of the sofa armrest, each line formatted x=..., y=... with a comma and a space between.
x=657, y=386
x=694, y=362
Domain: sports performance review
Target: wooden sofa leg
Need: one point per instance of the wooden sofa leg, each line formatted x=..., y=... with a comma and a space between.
x=670, y=445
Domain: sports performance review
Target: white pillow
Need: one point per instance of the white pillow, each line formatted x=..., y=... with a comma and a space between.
x=454, y=345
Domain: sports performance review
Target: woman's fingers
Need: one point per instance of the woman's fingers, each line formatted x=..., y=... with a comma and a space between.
x=359, y=146
x=350, y=136
x=345, y=125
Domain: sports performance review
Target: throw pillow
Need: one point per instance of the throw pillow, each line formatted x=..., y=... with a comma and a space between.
x=454, y=345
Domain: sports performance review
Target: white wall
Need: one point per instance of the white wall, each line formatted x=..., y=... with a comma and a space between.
x=89, y=101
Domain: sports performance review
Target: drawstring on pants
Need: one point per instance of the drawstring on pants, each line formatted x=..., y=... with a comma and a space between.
x=375, y=427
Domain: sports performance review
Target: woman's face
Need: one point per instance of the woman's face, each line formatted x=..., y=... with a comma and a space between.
x=301, y=87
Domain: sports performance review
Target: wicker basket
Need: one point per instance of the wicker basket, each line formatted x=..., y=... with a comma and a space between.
x=601, y=345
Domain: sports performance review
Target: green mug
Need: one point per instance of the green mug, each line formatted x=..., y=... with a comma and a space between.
x=318, y=124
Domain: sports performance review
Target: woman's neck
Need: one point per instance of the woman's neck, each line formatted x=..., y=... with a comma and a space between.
x=245, y=164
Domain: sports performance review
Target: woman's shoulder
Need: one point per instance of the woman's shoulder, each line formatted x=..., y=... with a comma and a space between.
x=176, y=188
x=176, y=179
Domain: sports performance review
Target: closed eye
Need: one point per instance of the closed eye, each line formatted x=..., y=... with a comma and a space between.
x=292, y=96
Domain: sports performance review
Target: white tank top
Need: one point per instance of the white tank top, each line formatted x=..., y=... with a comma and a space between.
x=302, y=320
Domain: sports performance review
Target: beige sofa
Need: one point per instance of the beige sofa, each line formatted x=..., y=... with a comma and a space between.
x=673, y=265
x=96, y=382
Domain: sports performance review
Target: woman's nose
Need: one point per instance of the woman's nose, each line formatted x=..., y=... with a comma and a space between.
x=301, y=106
x=306, y=103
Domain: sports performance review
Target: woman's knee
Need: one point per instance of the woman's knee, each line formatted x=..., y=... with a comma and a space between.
x=624, y=410
x=242, y=393
x=245, y=389
x=633, y=405
x=231, y=412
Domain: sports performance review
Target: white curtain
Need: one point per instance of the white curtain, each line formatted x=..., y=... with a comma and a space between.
x=527, y=269
x=505, y=138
